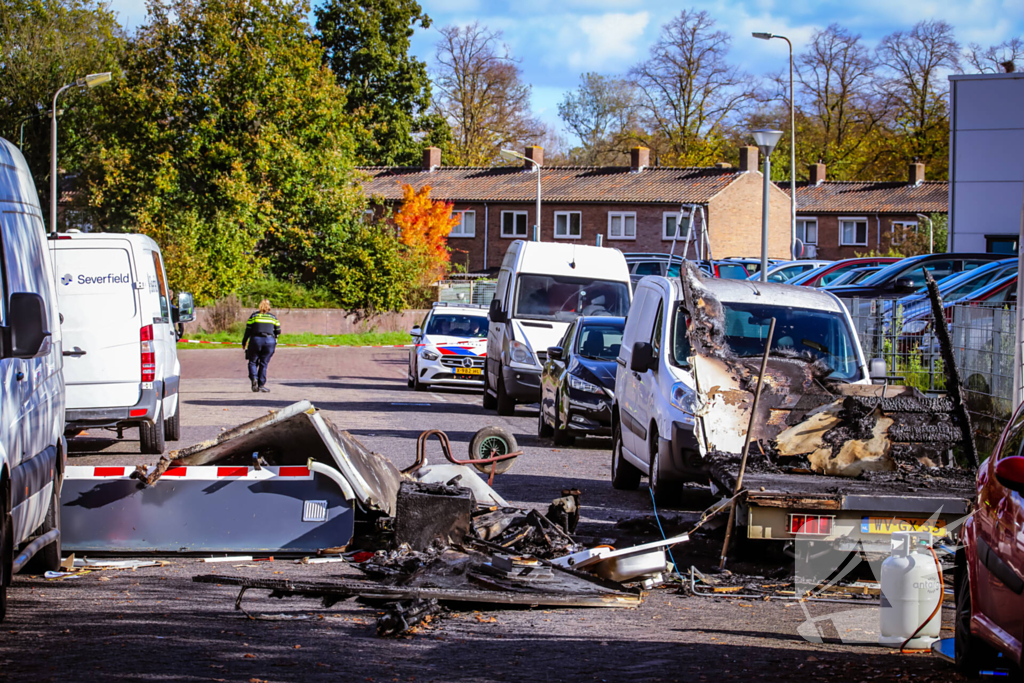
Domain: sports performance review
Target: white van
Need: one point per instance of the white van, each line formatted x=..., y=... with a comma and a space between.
x=120, y=347
x=542, y=287
x=32, y=447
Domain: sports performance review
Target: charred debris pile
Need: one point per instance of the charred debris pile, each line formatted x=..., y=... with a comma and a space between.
x=808, y=423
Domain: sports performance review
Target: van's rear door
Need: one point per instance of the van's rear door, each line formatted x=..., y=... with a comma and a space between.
x=99, y=302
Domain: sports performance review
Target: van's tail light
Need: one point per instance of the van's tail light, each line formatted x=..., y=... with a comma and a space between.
x=148, y=354
x=815, y=525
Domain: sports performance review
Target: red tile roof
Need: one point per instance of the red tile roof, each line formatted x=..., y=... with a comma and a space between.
x=568, y=184
x=834, y=196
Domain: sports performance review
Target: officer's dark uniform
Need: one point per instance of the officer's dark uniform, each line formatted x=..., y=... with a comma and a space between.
x=261, y=332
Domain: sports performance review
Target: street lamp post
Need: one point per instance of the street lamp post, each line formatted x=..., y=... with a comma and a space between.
x=765, y=141
x=792, y=145
x=510, y=155
x=90, y=81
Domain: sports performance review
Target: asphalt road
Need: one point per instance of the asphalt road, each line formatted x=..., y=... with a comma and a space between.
x=156, y=624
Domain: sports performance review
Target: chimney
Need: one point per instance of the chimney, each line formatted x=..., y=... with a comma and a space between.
x=536, y=153
x=431, y=158
x=748, y=158
x=639, y=159
x=916, y=174
x=817, y=173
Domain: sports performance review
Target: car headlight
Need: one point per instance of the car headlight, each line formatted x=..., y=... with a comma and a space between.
x=521, y=353
x=681, y=398
x=583, y=385
x=916, y=326
x=427, y=354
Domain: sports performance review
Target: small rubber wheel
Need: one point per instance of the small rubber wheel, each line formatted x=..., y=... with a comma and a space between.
x=544, y=430
x=172, y=425
x=625, y=476
x=151, y=436
x=490, y=442
x=48, y=559
x=505, y=404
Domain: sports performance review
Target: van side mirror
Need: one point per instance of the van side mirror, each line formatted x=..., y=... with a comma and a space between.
x=905, y=284
x=495, y=313
x=643, y=358
x=877, y=369
x=554, y=353
x=26, y=336
x=416, y=331
x=186, y=308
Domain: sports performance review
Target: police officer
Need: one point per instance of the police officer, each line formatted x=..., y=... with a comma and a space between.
x=259, y=342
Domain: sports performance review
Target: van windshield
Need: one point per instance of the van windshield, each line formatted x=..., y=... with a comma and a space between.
x=561, y=298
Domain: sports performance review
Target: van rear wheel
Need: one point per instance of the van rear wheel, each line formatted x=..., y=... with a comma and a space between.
x=625, y=476
x=172, y=425
x=151, y=436
x=48, y=558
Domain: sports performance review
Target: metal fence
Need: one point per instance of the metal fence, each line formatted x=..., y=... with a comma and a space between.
x=983, y=341
x=467, y=291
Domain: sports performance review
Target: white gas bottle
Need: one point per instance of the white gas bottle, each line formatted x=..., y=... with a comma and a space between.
x=910, y=591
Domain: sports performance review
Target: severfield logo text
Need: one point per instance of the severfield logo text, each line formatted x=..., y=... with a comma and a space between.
x=108, y=279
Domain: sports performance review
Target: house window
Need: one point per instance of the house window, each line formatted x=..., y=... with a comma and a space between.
x=807, y=230
x=568, y=225
x=853, y=232
x=513, y=224
x=901, y=230
x=670, y=225
x=466, y=226
x=622, y=226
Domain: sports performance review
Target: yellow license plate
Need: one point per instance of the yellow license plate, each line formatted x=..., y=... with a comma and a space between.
x=888, y=525
x=469, y=371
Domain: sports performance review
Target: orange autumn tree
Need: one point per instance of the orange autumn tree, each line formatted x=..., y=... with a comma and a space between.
x=424, y=225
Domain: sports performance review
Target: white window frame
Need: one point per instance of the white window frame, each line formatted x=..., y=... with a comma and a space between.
x=512, y=235
x=568, y=225
x=852, y=219
x=462, y=224
x=664, y=225
x=623, y=215
x=902, y=233
x=806, y=221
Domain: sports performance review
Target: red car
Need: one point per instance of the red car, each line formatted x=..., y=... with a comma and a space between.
x=989, y=572
x=819, y=277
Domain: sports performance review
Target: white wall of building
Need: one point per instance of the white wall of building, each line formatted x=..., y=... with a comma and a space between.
x=986, y=188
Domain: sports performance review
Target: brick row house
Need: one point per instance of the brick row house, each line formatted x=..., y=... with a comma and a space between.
x=841, y=219
x=634, y=208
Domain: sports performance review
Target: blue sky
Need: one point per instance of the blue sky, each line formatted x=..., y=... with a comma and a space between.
x=557, y=40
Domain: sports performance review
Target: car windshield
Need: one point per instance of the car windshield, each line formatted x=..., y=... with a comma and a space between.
x=901, y=269
x=732, y=271
x=457, y=325
x=823, y=335
x=600, y=341
x=556, y=297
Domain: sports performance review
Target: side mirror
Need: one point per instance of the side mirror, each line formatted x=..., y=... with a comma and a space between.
x=27, y=336
x=186, y=308
x=1010, y=473
x=643, y=357
x=877, y=369
x=495, y=313
x=554, y=353
x=905, y=284
x=416, y=331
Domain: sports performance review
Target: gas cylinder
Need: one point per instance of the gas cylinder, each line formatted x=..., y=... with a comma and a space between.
x=910, y=591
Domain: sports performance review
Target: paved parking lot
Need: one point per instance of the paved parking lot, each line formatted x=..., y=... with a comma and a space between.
x=155, y=624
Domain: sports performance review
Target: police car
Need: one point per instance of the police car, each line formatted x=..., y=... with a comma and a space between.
x=449, y=348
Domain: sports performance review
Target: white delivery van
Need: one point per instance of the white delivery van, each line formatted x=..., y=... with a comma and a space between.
x=542, y=287
x=120, y=347
x=32, y=447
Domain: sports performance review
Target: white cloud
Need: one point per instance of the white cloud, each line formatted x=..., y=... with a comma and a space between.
x=608, y=39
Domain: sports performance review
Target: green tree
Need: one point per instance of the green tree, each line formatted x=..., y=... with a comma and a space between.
x=366, y=44
x=44, y=45
x=227, y=142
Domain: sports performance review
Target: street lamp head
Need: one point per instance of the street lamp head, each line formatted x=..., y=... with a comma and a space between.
x=766, y=140
x=509, y=155
x=92, y=80
x=762, y=35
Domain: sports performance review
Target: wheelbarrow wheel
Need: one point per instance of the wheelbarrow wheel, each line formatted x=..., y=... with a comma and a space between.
x=490, y=442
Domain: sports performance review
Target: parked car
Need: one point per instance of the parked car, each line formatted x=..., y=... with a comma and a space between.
x=33, y=452
x=578, y=382
x=989, y=568
x=852, y=277
x=450, y=347
x=740, y=268
x=787, y=270
x=653, y=410
x=918, y=330
x=643, y=264
x=906, y=276
x=825, y=275
x=954, y=287
x=542, y=287
x=121, y=364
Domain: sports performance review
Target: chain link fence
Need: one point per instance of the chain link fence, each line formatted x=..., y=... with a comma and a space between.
x=983, y=341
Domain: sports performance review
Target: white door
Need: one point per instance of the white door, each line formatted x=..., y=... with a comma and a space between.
x=102, y=323
x=157, y=312
x=647, y=383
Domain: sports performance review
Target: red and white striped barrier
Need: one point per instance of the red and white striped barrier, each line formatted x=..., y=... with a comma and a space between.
x=204, y=473
x=308, y=346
